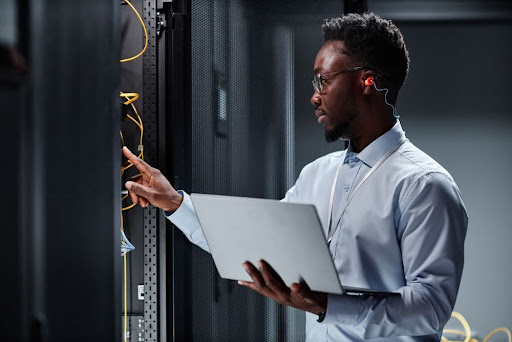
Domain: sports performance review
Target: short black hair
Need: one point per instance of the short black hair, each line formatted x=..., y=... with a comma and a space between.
x=373, y=41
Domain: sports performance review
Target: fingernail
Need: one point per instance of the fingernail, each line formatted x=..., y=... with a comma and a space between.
x=128, y=186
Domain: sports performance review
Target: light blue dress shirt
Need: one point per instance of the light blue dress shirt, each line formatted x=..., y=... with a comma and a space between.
x=403, y=231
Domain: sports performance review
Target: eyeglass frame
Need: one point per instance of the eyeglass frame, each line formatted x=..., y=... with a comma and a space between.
x=317, y=78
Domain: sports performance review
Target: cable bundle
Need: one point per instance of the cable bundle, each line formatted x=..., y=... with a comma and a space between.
x=126, y=245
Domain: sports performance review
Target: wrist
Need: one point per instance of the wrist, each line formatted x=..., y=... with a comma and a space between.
x=322, y=303
x=322, y=307
x=175, y=202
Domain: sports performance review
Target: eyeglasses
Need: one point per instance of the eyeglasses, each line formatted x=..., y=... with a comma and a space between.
x=318, y=79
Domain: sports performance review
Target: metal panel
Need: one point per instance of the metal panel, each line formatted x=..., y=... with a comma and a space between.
x=13, y=320
x=132, y=40
x=135, y=328
x=150, y=110
x=177, y=94
x=68, y=181
x=243, y=137
x=150, y=274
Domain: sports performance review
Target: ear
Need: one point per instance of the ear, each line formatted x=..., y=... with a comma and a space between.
x=367, y=80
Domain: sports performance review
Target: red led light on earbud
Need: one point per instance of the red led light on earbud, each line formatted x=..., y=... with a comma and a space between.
x=368, y=81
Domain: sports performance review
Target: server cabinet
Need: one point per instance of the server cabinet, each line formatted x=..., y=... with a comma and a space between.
x=238, y=106
x=58, y=81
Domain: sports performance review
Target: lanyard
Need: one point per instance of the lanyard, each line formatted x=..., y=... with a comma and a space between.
x=331, y=201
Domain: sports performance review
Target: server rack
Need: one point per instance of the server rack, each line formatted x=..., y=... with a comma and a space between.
x=156, y=75
x=61, y=169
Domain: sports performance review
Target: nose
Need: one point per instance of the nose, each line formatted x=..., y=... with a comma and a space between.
x=316, y=100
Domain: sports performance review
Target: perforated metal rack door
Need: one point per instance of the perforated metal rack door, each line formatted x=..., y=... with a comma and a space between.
x=150, y=152
x=249, y=63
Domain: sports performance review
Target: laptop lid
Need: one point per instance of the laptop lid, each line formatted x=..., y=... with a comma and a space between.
x=288, y=236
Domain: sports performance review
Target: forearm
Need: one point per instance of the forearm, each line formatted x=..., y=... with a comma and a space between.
x=414, y=313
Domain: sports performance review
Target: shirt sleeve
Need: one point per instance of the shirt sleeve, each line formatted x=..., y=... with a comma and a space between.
x=185, y=217
x=294, y=194
x=431, y=231
x=186, y=220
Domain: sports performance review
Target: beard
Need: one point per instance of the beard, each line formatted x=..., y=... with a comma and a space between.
x=342, y=130
x=338, y=132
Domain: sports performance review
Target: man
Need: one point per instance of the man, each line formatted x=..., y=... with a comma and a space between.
x=394, y=218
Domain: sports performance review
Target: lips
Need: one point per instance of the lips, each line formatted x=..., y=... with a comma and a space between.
x=320, y=114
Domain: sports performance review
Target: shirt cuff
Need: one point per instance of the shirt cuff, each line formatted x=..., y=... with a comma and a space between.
x=185, y=216
x=185, y=219
x=168, y=214
x=181, y=216
x=342, y=309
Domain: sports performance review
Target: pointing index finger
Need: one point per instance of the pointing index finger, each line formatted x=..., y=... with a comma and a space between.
x=139, y=163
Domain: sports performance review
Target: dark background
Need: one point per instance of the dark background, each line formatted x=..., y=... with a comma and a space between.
x=225, y=96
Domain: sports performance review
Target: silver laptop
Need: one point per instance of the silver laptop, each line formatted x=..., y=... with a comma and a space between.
x=288, y=236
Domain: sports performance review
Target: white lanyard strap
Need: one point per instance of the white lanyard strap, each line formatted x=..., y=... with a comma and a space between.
x=331, y=201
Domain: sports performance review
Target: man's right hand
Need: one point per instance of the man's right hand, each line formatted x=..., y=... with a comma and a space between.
x=150, y=186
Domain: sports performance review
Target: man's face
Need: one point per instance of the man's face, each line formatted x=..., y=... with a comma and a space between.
x=335, y=106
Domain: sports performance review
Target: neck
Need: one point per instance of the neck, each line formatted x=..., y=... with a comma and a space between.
x=360, y=143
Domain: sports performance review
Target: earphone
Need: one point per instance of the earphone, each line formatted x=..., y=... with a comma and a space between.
x=369, y=81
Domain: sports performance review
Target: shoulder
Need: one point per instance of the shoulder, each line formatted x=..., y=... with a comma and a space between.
x=412, y=163
x=323, y=163
x=423, y=177
x=421, y=160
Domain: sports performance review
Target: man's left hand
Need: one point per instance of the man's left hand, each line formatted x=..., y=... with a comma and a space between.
x=267, y=282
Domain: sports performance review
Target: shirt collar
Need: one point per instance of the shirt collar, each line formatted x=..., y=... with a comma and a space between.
x=377, y=148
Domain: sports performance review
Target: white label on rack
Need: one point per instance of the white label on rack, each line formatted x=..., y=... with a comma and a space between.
x=140, y=292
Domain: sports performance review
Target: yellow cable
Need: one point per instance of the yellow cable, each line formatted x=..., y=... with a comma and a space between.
x=124, y=168
x=139, y=123
x=452, y=331
x=145, y=35
x=126, y=208
x=464, y=323
x=141, y=127
x=467, y=331
x=135, y=121
x=127, y=96
x=131, y=97
x=505, y=330
x=129, y=207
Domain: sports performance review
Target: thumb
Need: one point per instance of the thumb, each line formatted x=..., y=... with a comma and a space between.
x=138, y=189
